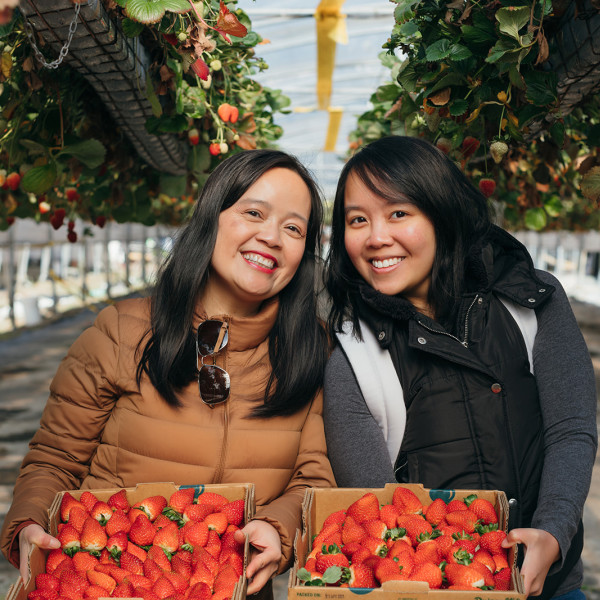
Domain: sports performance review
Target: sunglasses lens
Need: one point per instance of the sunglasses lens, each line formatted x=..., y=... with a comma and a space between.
x=212, y=337
x=214, y=384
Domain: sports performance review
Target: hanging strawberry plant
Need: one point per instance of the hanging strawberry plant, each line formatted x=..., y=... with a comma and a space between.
x=474, y=79
x=63, y=157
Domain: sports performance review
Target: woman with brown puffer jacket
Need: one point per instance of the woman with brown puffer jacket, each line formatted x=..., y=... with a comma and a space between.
x=214, y=379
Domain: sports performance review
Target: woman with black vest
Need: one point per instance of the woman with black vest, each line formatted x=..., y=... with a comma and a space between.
x=458, y=365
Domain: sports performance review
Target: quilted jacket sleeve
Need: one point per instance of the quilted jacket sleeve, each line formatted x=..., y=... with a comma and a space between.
x=82, y=395
x=312, y=469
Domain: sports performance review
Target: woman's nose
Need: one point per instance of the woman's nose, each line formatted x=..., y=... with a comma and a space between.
x=379, y=235
x=269, y=233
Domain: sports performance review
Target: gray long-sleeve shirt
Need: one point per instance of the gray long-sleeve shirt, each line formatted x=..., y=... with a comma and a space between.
x=566, y=384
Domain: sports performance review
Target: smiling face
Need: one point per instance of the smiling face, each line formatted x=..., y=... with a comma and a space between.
x=391, y=245
x=260, y=243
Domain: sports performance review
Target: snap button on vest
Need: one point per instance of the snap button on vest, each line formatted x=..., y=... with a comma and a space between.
x=496, y=388
x=532, y=300
x=421, y=340
x=512, y=503
x=381, y=335
x=542, y=290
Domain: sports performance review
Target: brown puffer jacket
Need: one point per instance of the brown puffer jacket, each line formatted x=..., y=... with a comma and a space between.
x=99, y=431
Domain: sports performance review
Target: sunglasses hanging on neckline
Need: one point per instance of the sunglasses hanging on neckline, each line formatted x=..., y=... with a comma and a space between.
x=213, y=381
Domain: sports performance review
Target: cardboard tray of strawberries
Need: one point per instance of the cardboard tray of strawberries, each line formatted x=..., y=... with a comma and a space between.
x=404, y=541
x=154, y=541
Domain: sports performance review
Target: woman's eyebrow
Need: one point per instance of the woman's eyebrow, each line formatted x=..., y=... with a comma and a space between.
x=268, y=204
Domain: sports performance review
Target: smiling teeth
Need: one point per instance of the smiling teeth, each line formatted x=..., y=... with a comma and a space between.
x=259, y=260
x=388, y=262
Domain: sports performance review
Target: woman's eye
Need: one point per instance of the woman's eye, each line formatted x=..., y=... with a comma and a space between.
x=295, y=231
x=253, y=213
x=398, y=214
x=357, y=220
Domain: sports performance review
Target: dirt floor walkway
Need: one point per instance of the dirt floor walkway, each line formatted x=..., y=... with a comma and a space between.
x=28, y=362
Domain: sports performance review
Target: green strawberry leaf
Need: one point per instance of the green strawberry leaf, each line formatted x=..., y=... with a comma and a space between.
x=557, y=132
x=438, y=51
x=145, y=11
x=33, y=147
x=303, y=574
x=332, y=575
x=39, y=179
x=89, y=152
x=177, y=6
x=512, y=19
x=458, y=107
x=541, y=87
x=590, y=184
x=131, y=28
x=553, y=206
x=459, y=52
x=173, y=185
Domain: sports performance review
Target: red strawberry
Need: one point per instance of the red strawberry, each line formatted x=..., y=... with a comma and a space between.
x=102, y=512
x=104, y=580
x=77, y=517
x=228, y=541
x=235, y=512
x=196, y=512
x=94, y=592
x=142, y=531
x=376, y=529
x=44, y=581
x=199, y=591
x=93, y=536
x=352, y=531
x=217, y=501
x=178, y=581
x=69, y=539
x=444, y=144
x=387, y=569
x=180, y=499
x=119, y=501
x=215, y=149
x=436, y=512
x=375, y=546
x=136, y=551
x=72, y=236
x=213, y=545
x=151, y=570
x=200, y=68
x=217, y=521
x=131, y=563
x=193, y=136
x=359, y=576
x=66, y=504
x=145, y=594
x=72, y=195
x=406, y=501
x=465, y=519
x=194, y=534
x=500, y=560
x=55, y=557
x=123, y=590
x=180, y=565
x=65, y=565
x=162, y=587
x=415, y=526
x=168, y=538
x=332, y=534
x=488, y=578
x=502, y=579
x=116, y=544
x=83, y=561
x=427, y=551
x=492, y=541
x=13, y=180
x=389, y=515
x=331, y=557
x=119, y=522
x=87, y=498
x=484, y=510
x=455, y=505
x=429, y=572
x=100, y=221
x=485, y=558
x=72, y=585
x=487, y=186
x=365, y=508
x=202, y=574
x=152, y=506
x=463, y=576
x=159, y=557
x=231, y=557
x=469, y=146
x=162, y=520
x=226, y=579
x=339, y=516
x=139, y=581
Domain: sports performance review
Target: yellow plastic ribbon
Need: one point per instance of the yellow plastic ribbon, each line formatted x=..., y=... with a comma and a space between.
x=331, y=30
x=335, y=118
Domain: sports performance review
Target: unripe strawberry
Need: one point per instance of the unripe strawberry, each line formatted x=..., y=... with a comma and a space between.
x=182, y=36
x=498, y=150
x=215, y=149
x=487, y=186
x=193, y=136
x=215, y=64
x=72, y=236
x=444, y=144
x=223, y=148
x=205, y=83
x=44, y=207
x=13, y=180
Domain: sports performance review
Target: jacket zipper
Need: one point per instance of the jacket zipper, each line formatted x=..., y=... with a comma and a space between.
x=464, y=342
x=221, y=465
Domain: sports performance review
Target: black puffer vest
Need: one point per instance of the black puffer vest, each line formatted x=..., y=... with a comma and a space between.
x=473, y=416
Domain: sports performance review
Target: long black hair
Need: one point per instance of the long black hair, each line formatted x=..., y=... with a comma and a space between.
x=399, y=167
x=297, y=341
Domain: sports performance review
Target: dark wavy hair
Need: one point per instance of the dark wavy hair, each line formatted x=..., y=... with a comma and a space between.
x=397, y=167
x=297, y=342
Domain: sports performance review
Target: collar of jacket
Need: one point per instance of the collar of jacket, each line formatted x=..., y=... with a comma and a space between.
x=245, y=332
x=498, y=263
